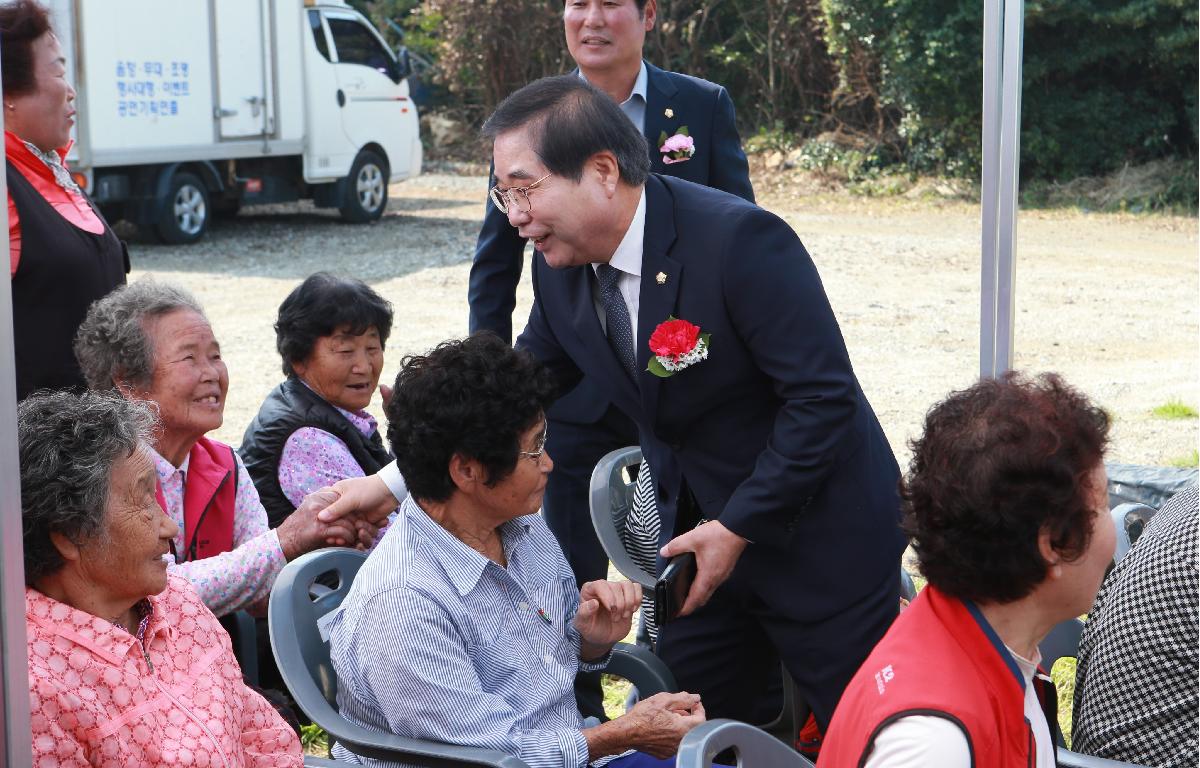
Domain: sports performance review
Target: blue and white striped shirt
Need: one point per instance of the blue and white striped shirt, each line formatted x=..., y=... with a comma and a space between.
x=435, y=641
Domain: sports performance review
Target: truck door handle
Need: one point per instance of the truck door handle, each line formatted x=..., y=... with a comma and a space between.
x=219, y=113
x=341, y=98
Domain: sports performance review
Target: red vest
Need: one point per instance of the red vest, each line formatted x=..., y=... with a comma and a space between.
x=941, y=658
x=209, y=500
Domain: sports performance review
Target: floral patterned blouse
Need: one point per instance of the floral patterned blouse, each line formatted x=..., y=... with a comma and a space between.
x=242, y=577
x=100, y=696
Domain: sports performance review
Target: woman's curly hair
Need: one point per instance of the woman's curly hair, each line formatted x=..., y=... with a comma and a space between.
x=474, y=397
x=998, y=463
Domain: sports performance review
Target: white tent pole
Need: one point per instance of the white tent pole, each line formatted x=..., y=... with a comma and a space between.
x=1010, y=165
x=993, y=55
x=16, y=751
x=1002, y=43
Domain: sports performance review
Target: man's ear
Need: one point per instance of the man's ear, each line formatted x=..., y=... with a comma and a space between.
x=604, y=165
x=649, y=14
x=67, y=549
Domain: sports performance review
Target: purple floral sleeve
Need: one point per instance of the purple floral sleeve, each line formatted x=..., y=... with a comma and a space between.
x=312, y=459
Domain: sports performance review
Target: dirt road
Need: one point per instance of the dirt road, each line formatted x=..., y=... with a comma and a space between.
x=1112, y=302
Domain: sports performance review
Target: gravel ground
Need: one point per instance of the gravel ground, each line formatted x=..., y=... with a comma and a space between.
x=1110, y=301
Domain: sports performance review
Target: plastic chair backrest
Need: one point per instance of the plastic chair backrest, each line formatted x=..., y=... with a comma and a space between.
x=754, y=747
x=296, y=620
x=1129, y=520
x=610, y=499
x=297, y=617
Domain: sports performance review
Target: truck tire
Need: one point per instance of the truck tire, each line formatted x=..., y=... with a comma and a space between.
x=364, y=194
x=185, y=210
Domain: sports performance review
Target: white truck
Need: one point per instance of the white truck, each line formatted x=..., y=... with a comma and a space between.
x=190, y=108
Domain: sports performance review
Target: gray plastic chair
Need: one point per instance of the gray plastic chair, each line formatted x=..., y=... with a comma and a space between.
x=244, y=636
x=755, y=748
x=1129, y=520
x=611, y=499
x=297, y=619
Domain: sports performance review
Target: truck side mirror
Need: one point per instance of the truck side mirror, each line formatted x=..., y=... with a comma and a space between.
x=403, y=63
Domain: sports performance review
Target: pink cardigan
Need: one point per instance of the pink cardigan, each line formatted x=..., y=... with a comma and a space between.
x=100, y=698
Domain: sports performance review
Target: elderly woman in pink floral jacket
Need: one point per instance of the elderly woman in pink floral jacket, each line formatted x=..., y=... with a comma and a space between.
x=127, y=667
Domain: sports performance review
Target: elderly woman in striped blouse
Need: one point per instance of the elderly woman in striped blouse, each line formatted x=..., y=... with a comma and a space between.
x=475, y=588
x=152, y=342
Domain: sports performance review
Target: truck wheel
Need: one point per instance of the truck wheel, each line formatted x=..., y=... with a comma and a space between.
x=185, y=210
x=365, y=191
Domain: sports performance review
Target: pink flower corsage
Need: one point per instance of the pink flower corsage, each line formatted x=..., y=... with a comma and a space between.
x=678, y=148
x=676, y=344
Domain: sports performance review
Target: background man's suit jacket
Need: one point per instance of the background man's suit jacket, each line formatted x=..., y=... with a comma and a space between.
x=772, y=433
x=707, y=111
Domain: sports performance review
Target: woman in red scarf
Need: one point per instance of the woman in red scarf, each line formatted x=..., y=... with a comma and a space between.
x=63, y=256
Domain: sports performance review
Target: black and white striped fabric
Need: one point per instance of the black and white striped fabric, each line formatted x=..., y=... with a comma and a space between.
x=1136, y=682
x=640, y=537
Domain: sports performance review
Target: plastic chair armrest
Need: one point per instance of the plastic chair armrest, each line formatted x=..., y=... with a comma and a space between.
x=754, y=746
x=642, y=668
x=388, y=746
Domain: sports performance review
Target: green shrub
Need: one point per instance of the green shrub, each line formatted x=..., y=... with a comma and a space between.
x=1105, y=82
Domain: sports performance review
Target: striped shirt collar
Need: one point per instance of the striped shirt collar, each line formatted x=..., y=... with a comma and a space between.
x=463, y=565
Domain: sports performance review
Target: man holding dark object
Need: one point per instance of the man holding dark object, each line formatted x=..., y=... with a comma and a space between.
x=692, y=134
x=728, y=358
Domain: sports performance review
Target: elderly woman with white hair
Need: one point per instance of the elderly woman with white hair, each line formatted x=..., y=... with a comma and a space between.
x=126, y=667
x=152, y=342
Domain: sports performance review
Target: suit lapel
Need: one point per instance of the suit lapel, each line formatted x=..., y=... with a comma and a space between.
x=660, y=93
x=587, y=326
x=657, y=299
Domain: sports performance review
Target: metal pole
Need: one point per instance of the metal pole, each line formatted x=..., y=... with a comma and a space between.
x=993, y=56
x=1002, y=46
x=16, y=750
x=1010, y=172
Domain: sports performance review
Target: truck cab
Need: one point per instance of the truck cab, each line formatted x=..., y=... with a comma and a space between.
x=193, y=108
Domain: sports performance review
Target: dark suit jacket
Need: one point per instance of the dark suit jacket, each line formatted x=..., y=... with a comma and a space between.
x=772, y=433
x=707, y=111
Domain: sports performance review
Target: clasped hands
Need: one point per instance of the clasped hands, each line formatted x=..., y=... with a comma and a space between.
x=304, y=531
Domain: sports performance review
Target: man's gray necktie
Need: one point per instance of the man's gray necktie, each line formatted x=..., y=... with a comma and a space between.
x=616, y=317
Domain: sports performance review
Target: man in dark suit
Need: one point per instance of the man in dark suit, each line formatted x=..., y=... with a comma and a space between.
x=763, y=430
x=605, y=37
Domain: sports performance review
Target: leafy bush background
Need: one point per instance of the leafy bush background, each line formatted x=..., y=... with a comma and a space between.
x=1106, y=82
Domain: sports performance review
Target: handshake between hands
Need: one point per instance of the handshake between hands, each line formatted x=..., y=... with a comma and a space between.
x=655, y=725
x=303, y=531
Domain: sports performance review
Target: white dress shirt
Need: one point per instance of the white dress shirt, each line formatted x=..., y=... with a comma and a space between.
x=634, y=107
x=627, y=260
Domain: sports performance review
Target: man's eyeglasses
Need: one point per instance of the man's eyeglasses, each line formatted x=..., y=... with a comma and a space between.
x=517, y=197
x=536, y=455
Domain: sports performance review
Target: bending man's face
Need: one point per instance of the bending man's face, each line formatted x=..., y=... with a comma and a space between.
x=565, y=219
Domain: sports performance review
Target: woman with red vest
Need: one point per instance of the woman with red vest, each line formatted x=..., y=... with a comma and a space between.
x=152, y=342
x=1006, y=503
x=62, y=254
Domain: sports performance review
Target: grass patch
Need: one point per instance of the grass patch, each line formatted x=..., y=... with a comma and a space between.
x=1162, y=186
x=1175, y=409
x=314, y=740
x=1186, y=461
x=616, y=691
x=1063, y=675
